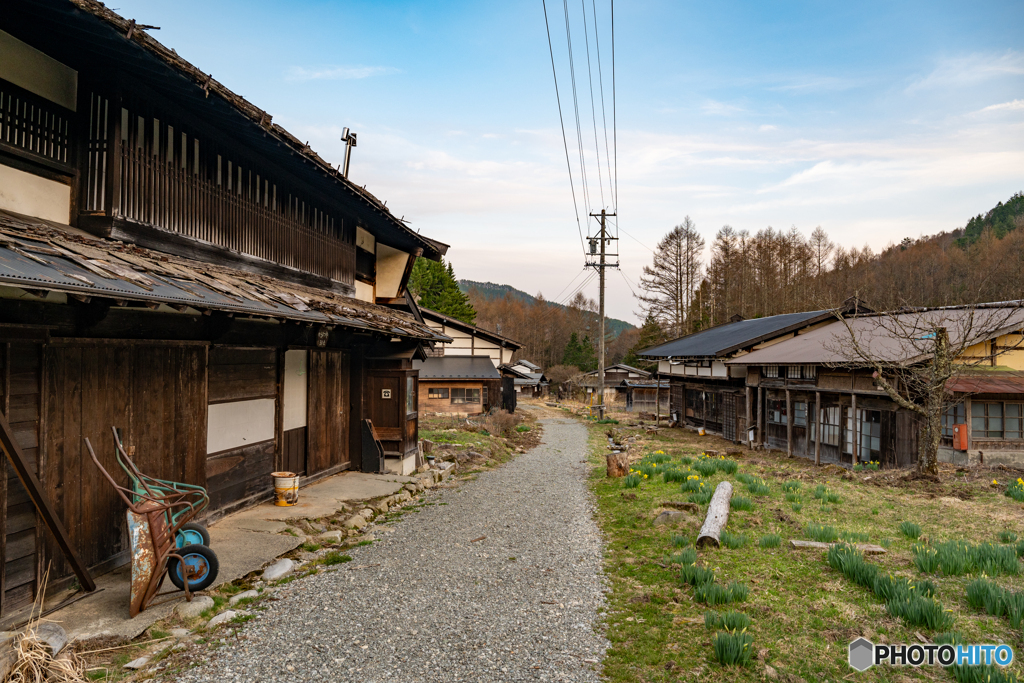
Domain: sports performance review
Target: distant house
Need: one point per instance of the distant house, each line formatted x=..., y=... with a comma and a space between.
x=614, y=376
x=646, y=395
x=462, y=377
x=528, y=378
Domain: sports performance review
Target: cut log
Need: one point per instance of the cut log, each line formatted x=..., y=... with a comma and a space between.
x=618, y=464
x=866, y=548
x=718, y=516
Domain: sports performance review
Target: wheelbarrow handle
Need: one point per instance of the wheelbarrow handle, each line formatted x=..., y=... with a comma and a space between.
x=127, y=465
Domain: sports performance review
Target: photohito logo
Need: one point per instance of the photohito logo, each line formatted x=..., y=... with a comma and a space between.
x=864, y=654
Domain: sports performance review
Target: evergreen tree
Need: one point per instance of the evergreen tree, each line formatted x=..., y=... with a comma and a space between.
x=433, y=284
x=651, y=335
x=580, y=353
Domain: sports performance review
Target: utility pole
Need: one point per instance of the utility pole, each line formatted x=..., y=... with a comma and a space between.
x=601, y=265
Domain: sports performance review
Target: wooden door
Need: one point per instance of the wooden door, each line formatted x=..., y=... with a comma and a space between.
x=294, y=400
x=327, y=410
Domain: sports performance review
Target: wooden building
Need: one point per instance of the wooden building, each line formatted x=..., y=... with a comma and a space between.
x=528, y=378
x=615, y=387
x=810, y=384
x=461, y=377
x=646, y=396
x=705, y=391
x=175, y=264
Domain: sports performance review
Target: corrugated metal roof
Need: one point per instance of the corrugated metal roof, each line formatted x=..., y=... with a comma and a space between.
x=895, y=338
x=41, y=255
x=724, y=339
x=456, y=367
x=988, y=384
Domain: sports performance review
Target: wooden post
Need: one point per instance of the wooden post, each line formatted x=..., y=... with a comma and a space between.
x=856, y=430
x=967, y=421
x=789, y=424
x=817, y=427
x=46, y=511
x=760, y=415
x=746, y=425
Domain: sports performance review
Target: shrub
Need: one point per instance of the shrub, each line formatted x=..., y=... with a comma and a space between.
x=978, y=592
x=706, y=466
x=697, y=576
x=851, y=563
x=712, y=593
x=1007, y=536
x=680, y=541
x=770, y=541
x=632, y=480
x=733, y=541
x=523, y=429
x=712, y=620
x=673, y=474
x=693, y=483
x=797, y=507
x=744, y=478
x=854, y=537
x=738, y=592
x=732, y=648
x=741, y=503
x=920, y=611
x=926, y=559
x=822, y=533
x=757, y=486
x=685, y=557
x=700, y=498
x=502, y=422
x=658, y=457
x=687, y=460
x=789, y=486
x=1020, y=548
x=954, y=558
x=826, y=495
x=735, y=621
x=1014, y=608
x=889, y=587
x=911, y=530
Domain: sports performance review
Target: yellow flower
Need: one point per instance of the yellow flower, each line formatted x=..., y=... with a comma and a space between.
x=994, y=481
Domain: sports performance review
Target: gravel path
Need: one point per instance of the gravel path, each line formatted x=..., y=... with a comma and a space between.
x=521, y=605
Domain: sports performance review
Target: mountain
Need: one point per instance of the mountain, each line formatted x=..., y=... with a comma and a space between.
x=491, y=290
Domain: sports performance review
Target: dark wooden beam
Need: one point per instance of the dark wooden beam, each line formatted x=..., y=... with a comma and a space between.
x=46, y=511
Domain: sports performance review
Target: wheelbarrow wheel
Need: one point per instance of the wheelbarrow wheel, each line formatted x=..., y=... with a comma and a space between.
x=201, y=561
x=192, y=534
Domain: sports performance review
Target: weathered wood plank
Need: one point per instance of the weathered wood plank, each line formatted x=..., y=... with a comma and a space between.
x=866, y=548
x=240, y=474
x=717, y=517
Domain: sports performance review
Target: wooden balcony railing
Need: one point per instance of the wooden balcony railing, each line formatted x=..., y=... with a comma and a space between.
x=164, y=195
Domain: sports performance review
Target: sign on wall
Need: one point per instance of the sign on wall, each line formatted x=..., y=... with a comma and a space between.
x=385, y=393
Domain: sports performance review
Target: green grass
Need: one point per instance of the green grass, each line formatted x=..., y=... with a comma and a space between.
x=310, y=547
x=632, y=481
x=733, y=541
x=732, y=649
x=333, y=558
x=770, y=541
x=821, y=532
x=1006, y=536
x=700, y=498
x=741, y=503
x=1016, y=490
x=957, y=557
x=790, y=486
x=680, y=541
x=911, y=530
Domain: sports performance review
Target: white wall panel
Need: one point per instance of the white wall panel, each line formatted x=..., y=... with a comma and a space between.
x=240, y=423
x=296, y=383
x=34, y=196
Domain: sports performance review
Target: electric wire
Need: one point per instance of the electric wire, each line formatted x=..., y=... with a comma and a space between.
x=615, y=125
x=604, y=115
x=576, y=109
x=593, y=108
x=582, y=270
x=561, y=120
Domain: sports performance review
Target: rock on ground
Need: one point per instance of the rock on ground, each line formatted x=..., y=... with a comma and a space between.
x=425, y=603
x=278, y=569
x=199, y=603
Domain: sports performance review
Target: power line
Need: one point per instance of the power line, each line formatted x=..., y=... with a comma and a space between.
x=615, y=126
x=604, y=116
x=561, y=120
x=593, y=109
x=576, y=109
x=582, y=270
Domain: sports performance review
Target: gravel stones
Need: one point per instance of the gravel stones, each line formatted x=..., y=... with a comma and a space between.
x=425, y=604
x=190, y=610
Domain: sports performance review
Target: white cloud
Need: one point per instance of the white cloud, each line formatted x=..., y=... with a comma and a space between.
x=338, y=73
x=816, y=84
x=971, y=69
x=716, y=108
x=766, y=127
x=1015, y=105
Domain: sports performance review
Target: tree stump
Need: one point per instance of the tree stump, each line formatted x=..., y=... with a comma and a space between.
x=618, y=465
x=718, y=516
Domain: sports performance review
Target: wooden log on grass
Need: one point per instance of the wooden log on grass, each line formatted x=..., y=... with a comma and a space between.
x=718, y=516
x=618, y=464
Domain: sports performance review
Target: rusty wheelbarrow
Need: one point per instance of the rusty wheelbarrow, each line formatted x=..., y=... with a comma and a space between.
x=153, y=524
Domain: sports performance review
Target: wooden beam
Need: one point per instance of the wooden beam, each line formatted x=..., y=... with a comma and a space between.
x=760, y=415
x=856, y=430
x=817, y=427
x=789, y=424
x=746, y=425
x=46, y=511
x=866, y=548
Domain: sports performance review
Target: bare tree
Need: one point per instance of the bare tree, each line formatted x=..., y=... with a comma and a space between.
x=669, y=283
x=915, y=353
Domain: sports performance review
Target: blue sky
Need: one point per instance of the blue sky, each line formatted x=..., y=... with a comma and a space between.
x=875, y=120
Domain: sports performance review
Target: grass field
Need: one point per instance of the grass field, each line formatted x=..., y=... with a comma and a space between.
x=803, y=613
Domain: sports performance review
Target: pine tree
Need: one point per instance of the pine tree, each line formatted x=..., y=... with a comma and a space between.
x=651, y=335
x=580, y=353
x=434, y=286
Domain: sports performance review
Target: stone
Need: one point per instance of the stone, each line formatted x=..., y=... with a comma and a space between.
x=410, y=487
x=221, y=618
x=672, y=517
x=428, y=446
x=355, y=522
x=242, y=596
x=179, y=632
x=53, y=635
x=331, y=536
x=689, y=507
x=445, y=465
x=280, y=568
x=367, y=513
x=403, y=496
x=380, y=507
x=137, y=663
x=190, y=610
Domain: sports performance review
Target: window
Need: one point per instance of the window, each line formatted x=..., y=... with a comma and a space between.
x=793, y=372
x=465, y=396
x=830, y=425
x=777, y=412
x=437, y=392
x=870, y=434
x=987, y=420
x=799, y=413
x=410, y=394
x=1014, y=421
x=771, y=371
x=808, y=371
x=484, y=390
x=953, y=415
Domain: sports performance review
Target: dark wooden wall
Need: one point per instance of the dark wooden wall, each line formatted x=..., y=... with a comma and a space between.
x=20, y=384
x=156, y=394
x=241, y=374
x=328, y=410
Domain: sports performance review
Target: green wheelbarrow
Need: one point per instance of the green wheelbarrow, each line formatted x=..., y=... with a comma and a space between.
x=189, y=533
x=157, y=511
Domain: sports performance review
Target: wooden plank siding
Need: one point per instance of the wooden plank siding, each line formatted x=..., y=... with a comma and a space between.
x=155, y=394
x=328, y=411
x=242, y=473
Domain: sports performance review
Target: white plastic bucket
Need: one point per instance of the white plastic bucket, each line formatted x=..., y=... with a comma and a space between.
x=286, y=488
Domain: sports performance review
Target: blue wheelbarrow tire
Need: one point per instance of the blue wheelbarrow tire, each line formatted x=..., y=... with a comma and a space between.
x=192, y=534
x=202, y=559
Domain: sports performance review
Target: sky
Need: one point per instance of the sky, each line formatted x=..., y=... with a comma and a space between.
x=874, y=120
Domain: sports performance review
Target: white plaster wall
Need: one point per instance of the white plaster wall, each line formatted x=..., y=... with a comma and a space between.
x=364, y=240
x=390, y=269
x=34, y=196
x=38, y=73
x=364, y=291
x=240, y=423
x=296, y=383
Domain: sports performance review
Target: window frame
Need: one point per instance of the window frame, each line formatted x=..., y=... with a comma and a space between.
x=464, y=396
x=432, y=390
